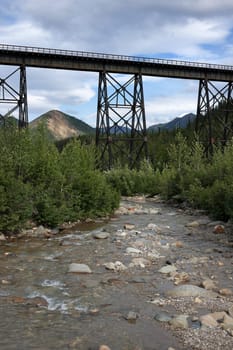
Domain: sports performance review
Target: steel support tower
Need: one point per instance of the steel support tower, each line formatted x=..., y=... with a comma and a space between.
x=214, y=122
x=14, y=98
x=121, y=133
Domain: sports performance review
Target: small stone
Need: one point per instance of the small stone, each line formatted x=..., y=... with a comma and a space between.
x=101, y=235
x=140, y=262
x=129, y=227
x=117, y=266
x=104, y=347
x=109, y=266
x=225, y=291
x=220, y=263
x=2, y=237
x=193, y=224
x=197, y=300
x=154, y=227
x=79, y=268
x=219, y=229
x=171, y=348
x=167, y=269
x=132, y=316
x=179, y=244
x=131, y=250
x=180, y=278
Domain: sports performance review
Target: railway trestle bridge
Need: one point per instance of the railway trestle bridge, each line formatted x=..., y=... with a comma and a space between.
x=120, y=107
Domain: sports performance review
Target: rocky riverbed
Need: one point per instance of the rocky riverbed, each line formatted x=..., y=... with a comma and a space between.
x=153, y=277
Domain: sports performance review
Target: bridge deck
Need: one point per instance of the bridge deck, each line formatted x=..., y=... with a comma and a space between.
x=96, y=62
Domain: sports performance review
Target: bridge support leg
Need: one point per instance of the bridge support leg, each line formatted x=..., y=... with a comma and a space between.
x=13, y=99
x=215, y=104
x=121, y=124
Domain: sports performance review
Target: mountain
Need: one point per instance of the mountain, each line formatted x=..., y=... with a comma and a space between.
x=179, y=122
x=62, y=126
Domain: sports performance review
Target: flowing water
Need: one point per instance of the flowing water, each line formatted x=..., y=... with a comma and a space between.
x=42, y=306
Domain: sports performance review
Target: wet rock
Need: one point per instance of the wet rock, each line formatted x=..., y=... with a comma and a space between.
x=163, y=317
x=140, y=262
x=117, y=266
x=131, y=250
x=154, y=211
x=79, y=268
x=129, y=227
x=188, y=290
x=121, y=233
x=218, y=229
x=179, y=321
x=101, y=235
x=208, y=284
x=154, y=227
x=193, y=224
x=167, y=269
x=180, y=278
x=132, y=316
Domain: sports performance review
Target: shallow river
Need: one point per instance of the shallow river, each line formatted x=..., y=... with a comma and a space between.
x=42, y=306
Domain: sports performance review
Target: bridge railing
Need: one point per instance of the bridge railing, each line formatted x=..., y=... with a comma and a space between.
x=86, y=54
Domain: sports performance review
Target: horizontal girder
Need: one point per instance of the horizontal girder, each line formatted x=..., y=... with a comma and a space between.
x=95, y=62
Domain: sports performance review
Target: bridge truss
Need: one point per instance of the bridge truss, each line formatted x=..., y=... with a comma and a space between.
x=121, y=121
x=214, y=121
x=14, y=98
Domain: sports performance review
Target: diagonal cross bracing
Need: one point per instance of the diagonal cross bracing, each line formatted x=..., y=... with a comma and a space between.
x=121, y=123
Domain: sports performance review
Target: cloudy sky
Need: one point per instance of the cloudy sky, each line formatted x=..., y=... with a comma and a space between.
x=179, y=29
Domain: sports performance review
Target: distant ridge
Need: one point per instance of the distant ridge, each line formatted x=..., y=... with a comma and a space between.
x=61, y=125
x=179, y=122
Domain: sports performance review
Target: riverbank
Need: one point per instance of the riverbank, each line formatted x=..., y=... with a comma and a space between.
x=153, y=277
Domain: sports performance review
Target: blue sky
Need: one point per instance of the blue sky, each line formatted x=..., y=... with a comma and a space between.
x=200, y=31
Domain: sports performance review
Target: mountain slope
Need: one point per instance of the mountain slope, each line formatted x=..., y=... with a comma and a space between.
x=62, y=126
x=179, y=122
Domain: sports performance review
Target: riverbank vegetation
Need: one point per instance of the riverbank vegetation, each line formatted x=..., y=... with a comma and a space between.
x=49, y=185
x=40, y=184
x=185, y=175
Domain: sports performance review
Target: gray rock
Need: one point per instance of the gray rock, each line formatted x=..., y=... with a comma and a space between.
x=188, y=290
x=101, y=235
x=168, y=269
x=132, y=316
x=79, y=268
x=163, y=317
x=131, y=250
x=2, y=237
x=117, y=266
